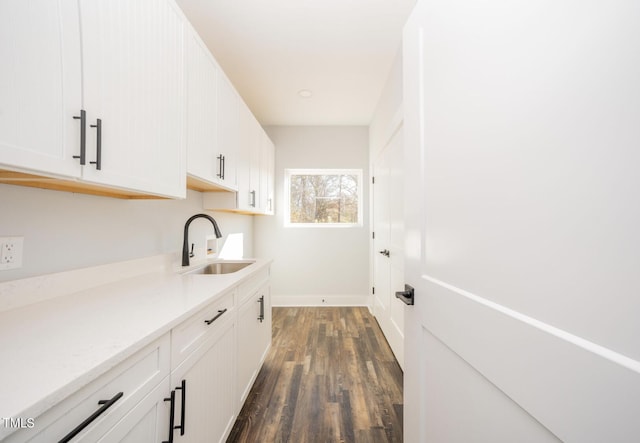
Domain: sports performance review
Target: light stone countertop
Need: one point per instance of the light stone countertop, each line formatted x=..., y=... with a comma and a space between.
x=52, y=348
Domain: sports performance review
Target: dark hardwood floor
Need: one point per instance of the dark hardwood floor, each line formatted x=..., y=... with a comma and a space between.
x=330, y=377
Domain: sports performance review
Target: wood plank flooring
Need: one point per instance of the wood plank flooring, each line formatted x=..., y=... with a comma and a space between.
x=330, y=377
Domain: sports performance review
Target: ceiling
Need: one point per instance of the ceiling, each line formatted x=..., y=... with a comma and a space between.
x=340, y=50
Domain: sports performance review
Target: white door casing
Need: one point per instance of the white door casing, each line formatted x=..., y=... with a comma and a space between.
x=521, y=221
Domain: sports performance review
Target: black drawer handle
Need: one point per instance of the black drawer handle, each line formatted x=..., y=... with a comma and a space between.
x=217, y=316
x=106, y=404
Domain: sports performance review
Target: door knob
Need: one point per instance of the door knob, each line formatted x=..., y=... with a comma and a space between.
x=385, y=252
x=407, y=295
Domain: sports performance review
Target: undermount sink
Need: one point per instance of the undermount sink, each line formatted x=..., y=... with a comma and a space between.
x=222, y=267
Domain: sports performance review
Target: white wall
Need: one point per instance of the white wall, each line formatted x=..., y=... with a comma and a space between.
x=315, y=264
x=65, y=231
x=388, y=109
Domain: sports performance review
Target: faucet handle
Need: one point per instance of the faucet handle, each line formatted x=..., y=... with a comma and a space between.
x=191, y=254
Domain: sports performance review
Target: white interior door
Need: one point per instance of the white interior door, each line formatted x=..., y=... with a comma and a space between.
x=388, y=243
x=522, y=221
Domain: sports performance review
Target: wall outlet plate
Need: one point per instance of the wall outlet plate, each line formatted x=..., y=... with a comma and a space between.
x=11, y=252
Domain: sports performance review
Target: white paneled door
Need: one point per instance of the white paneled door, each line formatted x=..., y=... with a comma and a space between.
x=388, y=226
x=522, y=215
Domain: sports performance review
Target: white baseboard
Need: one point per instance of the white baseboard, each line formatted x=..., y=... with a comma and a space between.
x=320, y=300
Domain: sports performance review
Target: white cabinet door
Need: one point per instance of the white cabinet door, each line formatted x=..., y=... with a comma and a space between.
x=212, y=121
x=254, y=338
x=228, y=127
x=147, y=422
x=133, y=81
x=209, y=377
x=40, y=86
x=267, y=152
x=202, y=134
x=246, y=193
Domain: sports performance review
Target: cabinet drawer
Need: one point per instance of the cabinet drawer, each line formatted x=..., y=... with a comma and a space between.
x=249, y=287
x=186, y=337
x=134, y=378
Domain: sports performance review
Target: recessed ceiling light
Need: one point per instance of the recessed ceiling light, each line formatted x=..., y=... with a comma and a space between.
x=305, y=93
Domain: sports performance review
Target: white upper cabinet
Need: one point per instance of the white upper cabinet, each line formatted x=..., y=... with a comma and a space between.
x=255, y=162
x=122, y=98
x=40, y=86
x=133, y=67
x=121, y=63
x=212, y=116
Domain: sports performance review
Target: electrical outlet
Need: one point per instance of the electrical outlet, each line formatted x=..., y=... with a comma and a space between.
x=11, y=252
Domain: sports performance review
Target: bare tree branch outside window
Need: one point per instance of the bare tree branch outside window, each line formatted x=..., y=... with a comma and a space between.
x=316, y=197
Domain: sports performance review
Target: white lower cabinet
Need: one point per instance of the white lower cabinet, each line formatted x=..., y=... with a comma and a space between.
x=148, y=421
x=254, y=337
x=206, y=378
x=203, y=373
x=98, y=409
x=187, y=386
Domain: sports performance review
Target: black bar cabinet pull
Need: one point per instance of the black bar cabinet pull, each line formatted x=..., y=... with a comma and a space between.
x=183, y=389
x=253, y=199
x=261, y=301
x=220, y=163
x=217, y=316
x=172, y=415
x=83, y=136
x=106, y=404
x=98, y=161
x=224, y=163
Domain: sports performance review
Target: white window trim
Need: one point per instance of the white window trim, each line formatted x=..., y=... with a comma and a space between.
x=319, y=171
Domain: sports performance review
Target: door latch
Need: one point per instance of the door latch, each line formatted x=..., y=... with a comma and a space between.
x=407, y=295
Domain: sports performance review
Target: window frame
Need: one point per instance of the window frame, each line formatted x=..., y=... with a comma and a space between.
x=289, y=172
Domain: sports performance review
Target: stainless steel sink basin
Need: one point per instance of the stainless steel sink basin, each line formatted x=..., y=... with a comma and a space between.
x=222, y=267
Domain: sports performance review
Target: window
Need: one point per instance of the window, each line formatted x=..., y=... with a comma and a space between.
x=323, y=197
